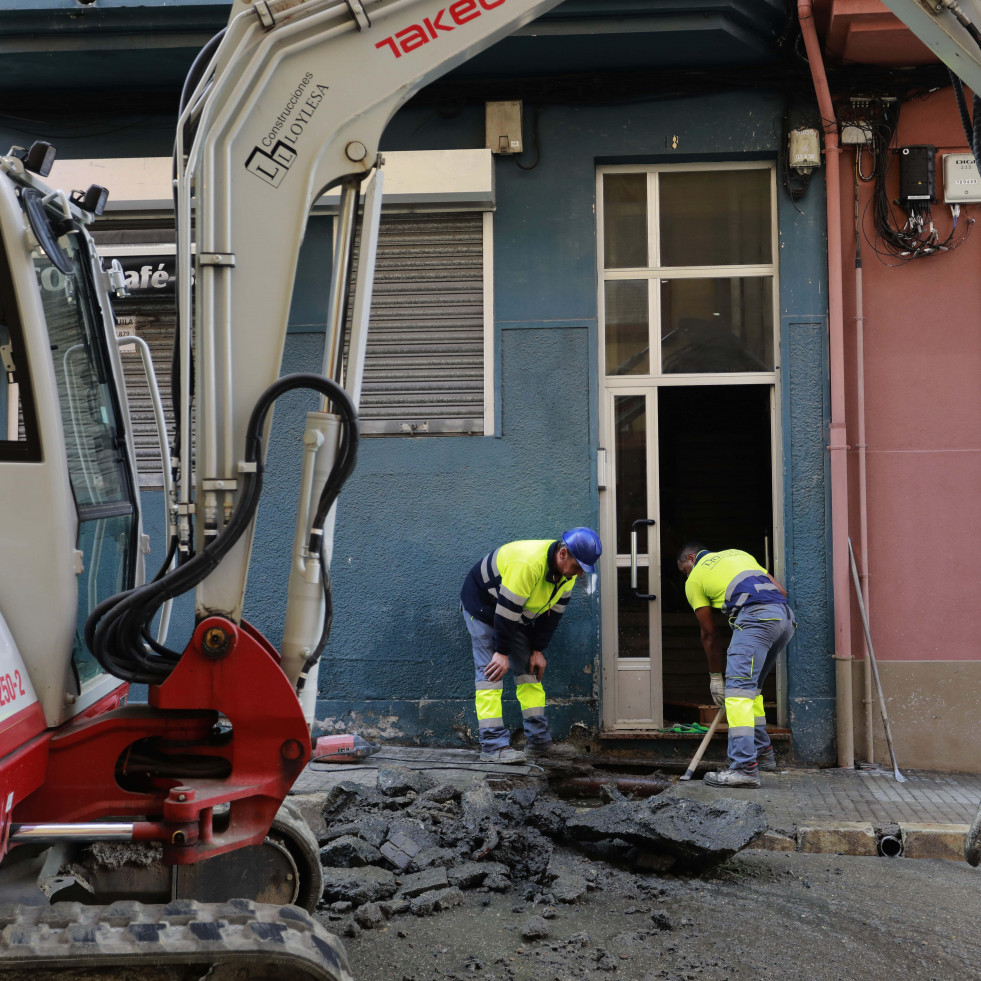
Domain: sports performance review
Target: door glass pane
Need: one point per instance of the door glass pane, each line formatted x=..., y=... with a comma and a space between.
x=94, y=436
x=624, y=220
x=628, y=339
x=715, y=218
x=633, y=616
x=630, y=413
x=105, y=544
x=717, y=325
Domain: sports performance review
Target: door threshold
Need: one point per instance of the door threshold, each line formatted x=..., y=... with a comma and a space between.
x=775, y=732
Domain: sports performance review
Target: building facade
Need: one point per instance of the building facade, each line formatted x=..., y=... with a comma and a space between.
x=629, y=324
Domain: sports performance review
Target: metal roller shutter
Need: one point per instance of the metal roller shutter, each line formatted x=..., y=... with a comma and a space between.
x=424, y=364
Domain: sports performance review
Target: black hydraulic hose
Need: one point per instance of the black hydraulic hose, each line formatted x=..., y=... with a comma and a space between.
x=196, y=71
x=114, y=632
x=972, y=130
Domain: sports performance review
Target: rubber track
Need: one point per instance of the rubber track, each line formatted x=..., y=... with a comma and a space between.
x=125, y=934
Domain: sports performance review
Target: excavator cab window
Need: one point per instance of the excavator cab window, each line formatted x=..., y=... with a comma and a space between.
x=95, y=435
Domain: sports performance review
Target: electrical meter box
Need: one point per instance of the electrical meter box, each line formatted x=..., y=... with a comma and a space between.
x=804, y=149
x=917, y=174
x=503, y=121
x=962, y=183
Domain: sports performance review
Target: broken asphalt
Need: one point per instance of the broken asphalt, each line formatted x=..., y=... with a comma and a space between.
x=831, y=811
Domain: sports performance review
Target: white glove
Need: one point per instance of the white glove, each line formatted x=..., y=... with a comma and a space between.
x=717, y=687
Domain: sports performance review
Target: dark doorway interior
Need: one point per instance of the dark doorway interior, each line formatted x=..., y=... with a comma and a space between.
x=715, y=485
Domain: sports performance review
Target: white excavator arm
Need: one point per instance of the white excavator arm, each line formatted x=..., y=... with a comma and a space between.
x=951, y=29
x=289, y=101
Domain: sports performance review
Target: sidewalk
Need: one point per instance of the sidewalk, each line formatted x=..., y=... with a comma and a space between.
x=831, y=811
x=850, y=811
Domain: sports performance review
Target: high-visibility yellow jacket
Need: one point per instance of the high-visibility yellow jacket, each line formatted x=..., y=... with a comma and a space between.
x=518, y=589
x=729, y=580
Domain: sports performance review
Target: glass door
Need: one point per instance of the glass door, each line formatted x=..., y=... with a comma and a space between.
x=689, y=364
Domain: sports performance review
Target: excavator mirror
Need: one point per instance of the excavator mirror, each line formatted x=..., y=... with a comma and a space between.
x=40, y=158
x=93, y=200
x=47, y=229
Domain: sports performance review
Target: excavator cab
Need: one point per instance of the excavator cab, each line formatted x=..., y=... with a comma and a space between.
x=66, y=458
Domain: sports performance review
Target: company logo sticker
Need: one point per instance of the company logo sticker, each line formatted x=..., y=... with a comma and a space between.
x=272, y=157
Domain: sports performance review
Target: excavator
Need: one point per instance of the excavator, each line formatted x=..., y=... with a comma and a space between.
x=155, y=840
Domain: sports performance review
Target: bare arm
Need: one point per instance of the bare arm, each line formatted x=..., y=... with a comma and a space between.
x=783, y=591
x=712, y=642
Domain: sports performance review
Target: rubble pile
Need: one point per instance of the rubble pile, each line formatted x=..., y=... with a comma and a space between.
x=412, y=845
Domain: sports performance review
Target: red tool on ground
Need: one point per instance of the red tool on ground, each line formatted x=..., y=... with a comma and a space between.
x=346, y=748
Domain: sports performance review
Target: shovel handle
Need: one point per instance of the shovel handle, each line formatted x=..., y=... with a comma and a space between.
x=704, y=744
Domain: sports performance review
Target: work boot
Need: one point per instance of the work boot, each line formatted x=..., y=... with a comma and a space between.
x=551, y=751
x=506, y=755
x=733, y=778
x=767, y=760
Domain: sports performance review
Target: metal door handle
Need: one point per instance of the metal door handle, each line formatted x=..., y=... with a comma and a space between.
x=647, y=522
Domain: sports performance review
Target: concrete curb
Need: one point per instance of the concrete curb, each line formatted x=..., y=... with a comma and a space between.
x=861, y=838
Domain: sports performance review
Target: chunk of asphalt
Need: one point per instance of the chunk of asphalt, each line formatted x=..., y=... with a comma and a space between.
x=338, y=798
x=373, y=829
x=422, y=834
x=435, y=900
x=569, y=889
x=339, y=831
x=433, y=856
x=525, y=851
x=696, y=834
x=536, y=928
x=349, y=852
x=550, y=817
x=478, y=806
x=497, y=882
x=394, y=907
x=471, y=874
x=420, y=882
x=442, y=793
x=358, y=886
x=370, y=916
x=397, y=782
x=446, y=898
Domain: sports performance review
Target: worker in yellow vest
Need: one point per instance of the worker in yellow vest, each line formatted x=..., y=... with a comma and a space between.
x=512, y=601
x=762, y=624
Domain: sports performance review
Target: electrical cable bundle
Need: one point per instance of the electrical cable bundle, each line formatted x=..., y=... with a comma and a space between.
x=115, y=631
x=916, y=236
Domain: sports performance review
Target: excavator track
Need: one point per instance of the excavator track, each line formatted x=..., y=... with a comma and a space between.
x=179, y=941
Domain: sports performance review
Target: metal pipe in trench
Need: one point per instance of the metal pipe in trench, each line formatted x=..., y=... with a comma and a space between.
x=591, y=786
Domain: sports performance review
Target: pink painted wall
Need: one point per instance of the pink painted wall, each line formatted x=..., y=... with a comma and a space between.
x=923, y=417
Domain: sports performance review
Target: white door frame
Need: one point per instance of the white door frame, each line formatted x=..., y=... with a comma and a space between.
x=627, y=682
